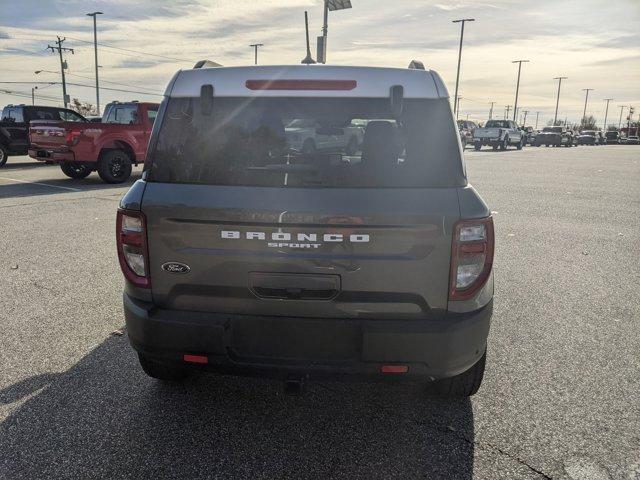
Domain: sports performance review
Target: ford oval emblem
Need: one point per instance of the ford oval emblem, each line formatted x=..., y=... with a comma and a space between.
x=176, y=267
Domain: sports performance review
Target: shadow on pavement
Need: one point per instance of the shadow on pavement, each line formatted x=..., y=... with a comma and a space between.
x=104, y=419
x=45, y=186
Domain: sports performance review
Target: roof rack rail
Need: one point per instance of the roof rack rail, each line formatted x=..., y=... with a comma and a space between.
x=206, y=64
x=416, y=65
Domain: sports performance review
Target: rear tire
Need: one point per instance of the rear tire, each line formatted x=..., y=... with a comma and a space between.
x=352, y=146
x=463, y=385
x=309, y=147
x=161, y=370
x=504, y=144
x=4, y=155
x=75, y=170
x=114, y=166
x=477, y=147
x=520, y=145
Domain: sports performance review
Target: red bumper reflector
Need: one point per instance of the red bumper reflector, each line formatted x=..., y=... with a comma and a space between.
x=394, y=368
x=196, y=359
x=301, y=84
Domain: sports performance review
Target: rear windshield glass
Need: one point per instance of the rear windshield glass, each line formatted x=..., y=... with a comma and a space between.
x=307, y=142
x=497, y=124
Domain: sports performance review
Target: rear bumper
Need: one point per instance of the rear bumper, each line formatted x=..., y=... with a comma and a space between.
x=487, y=141
x=45, y=155
x=286, y=347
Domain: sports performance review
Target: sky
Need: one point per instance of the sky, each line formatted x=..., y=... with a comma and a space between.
x=143, y=42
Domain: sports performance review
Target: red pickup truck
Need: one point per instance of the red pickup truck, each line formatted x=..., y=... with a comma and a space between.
x=111, y=147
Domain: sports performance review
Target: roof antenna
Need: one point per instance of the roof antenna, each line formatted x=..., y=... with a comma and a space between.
x=308, y=60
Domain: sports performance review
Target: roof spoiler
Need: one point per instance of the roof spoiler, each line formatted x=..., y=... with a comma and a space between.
x=416, y=65
x=206, y=64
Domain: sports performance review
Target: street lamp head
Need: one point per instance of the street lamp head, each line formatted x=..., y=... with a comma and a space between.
x=334, y=5
x=93, y=14
x=520, y=61
x=464, y=20
x=38, y=71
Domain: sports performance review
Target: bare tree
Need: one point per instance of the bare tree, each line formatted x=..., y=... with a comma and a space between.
x=83, y=108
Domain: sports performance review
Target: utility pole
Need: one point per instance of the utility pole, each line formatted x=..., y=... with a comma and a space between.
x=606, y=113
x=537, y=116
x=586, y=98
x=33, y=95
x=462, y=21
x=63, y=66
x=329, y=5
x=622, y=107
x=491, y=111
x=255, y=49
x=555, y=116
x=308, y=60
x=506, y=115
x=458, y=98
x=515, y=107
x=524, y=122
x=95, y=54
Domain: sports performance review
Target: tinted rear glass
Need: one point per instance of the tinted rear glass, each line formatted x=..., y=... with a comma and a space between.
x=497, y=124
x=307, y=142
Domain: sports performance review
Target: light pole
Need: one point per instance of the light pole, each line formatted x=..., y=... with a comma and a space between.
x=606, y=113
x=458, y=98
x=462, y=21
x=329, y=6
x=515, y=107
x=255, y=49
x=586, y=98
x=555, y=116
x=524, y=122
x=491, y=111
x=507, y=110
x=622, y=107
x=95, y=54
x=33, y=95
x=537, y=116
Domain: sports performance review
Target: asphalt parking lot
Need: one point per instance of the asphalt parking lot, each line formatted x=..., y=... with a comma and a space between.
x=561, y=397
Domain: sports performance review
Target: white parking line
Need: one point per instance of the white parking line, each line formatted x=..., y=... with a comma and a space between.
x=43, y=184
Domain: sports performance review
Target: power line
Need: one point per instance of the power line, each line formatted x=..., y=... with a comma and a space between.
x=132, y=51
x=89, y=86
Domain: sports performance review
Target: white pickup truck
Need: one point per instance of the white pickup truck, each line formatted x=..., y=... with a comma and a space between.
x=499, y=134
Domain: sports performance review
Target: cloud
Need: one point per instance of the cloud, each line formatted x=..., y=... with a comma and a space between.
x=4, y=35
x=630, y=59
x=137, y=63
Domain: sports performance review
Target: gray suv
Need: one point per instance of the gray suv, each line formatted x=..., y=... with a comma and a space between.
x=244, y=255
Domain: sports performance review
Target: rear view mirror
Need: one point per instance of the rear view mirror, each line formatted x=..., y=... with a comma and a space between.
x=396, y=99
x=206, y=99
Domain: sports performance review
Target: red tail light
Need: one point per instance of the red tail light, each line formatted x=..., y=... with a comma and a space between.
x=72, y=138
x=131, y=237
x=471, y=257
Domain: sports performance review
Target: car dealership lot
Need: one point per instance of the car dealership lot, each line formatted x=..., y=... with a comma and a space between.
x=560, y=397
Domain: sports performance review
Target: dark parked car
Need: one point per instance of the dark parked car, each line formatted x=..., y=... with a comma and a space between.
x=14, y=126
x=554, y=137
x=590, y=137
x=466, y=128
x=242, y=255
x=612, y=137
x=529, y=135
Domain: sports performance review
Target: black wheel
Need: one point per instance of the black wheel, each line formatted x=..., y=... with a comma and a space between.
x=309, y=147
x=463, y=385
x=520, y=145
x=352, y=146
x=477, y=147
x=504, y=144
x=4, y=155
x=495, y=147
x=75, y=170
x=114, y=166
x=161, y=370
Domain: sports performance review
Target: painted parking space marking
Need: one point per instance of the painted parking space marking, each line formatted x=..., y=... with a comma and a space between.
x=41, y=184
